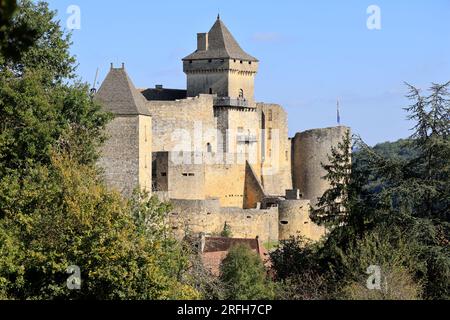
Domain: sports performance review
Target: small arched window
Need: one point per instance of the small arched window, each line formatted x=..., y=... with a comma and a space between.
x=208, y=147
x=210, y=91
x=241, y=94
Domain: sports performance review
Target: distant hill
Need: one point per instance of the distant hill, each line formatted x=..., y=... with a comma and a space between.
x=399, y=149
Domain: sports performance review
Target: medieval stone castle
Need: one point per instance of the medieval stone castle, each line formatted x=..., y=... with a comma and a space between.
x=220, y=157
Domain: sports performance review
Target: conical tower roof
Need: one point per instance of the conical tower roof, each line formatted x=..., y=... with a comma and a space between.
x=221, y=45
x=119, y=96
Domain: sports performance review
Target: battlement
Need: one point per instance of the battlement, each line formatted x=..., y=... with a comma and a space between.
x=230, y=102
x=216, y=155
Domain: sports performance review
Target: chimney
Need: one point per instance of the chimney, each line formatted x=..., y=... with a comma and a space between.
x=202, y=41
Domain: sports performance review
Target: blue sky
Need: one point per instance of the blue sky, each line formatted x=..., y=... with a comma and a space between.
x=311, y=52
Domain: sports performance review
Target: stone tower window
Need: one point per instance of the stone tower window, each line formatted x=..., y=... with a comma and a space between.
x=270, y=133
x=208, y=147
x=241, y=93
x=270, y=115
x=210, y=91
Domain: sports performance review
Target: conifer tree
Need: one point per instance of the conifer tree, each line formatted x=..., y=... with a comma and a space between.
x=333, y=207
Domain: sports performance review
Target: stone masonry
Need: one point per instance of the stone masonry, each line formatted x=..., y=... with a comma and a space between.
x=220, y=157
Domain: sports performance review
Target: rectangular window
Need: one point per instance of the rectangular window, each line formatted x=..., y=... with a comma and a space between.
x=188, y=174
x=270, y=134
x=270, y=115
x=163, y=174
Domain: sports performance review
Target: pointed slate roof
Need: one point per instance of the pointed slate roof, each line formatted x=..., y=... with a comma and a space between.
x=119, y=96
x=221, y=45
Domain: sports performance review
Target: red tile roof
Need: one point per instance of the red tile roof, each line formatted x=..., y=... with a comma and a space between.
x=215, y=250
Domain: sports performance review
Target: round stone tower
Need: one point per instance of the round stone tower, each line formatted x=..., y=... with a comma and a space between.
x=295, y=221
x=310, y=149
x=294, y=218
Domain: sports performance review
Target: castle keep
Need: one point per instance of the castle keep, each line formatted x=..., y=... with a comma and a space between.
x=216, y=154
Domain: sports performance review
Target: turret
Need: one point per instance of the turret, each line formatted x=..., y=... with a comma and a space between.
x=310, y=150
x=126, y=156
x=219, y=66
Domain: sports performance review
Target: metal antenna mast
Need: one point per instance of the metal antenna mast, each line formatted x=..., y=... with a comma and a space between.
x=94, y=90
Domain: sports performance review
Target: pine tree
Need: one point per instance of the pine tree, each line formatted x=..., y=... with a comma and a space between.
x=333, y=207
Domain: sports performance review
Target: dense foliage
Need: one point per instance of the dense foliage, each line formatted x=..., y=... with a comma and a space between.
x=387, y=206
x=55, y=211
x=390, y=210
x=244, y=275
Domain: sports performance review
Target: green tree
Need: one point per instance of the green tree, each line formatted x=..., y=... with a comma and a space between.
x=244, y=275
x=332, y=209
x=386, y=195
x=15, y=37
x=398, y=258
x=297, y=266
x=74, y=220
x=409, y=193
x=415, y=192
x=55, y=210
x=226, y=232
x=35, y=40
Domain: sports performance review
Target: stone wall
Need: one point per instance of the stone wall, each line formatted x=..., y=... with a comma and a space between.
x=206, y=216
x=145, y=153
x=240, y=131
x=226, y=182
x=253, y=192
x=310, y=149
x=225, y=77
x=275, y=149
x=175, y=124
x=126, y=154
x=295, y=220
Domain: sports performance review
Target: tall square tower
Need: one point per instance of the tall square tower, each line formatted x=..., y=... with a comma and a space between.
x=220, y=66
